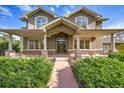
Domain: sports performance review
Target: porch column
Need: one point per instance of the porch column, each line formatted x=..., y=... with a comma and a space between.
x=45, y=41
x=10, y=42
x=78, y=42
x=73, y=43
x=112, y=42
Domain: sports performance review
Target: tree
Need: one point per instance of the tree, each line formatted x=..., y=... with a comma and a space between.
x=4, y=45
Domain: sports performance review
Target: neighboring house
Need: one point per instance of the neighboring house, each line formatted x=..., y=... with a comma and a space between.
x=77, y=33
x=106, y=43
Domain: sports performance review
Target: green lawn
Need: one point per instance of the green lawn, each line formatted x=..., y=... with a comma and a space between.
x=25, y=72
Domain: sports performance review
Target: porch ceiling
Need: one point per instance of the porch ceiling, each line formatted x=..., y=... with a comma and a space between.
x=98, y=32
x=24, y=32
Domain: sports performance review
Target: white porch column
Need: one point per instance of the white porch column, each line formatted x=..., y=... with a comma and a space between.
x=45, y=41
x=78, y=42
x=73, y=43
x=10, y=42
x=112, y=42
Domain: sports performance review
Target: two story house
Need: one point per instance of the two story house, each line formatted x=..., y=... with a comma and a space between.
x=78, y=33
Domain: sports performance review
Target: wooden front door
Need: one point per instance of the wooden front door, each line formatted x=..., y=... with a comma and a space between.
x=61, y=45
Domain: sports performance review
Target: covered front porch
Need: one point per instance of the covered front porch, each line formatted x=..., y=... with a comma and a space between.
x=79, y=43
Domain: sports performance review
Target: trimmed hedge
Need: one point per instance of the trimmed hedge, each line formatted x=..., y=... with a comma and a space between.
x=117, y=55
x=25, y=72
x=99, y=73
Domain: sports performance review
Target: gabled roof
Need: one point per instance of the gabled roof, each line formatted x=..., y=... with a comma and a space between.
x=61, y=21
x=86, y=10
x=30, y=13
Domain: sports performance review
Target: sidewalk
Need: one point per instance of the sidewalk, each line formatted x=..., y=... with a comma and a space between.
x=62, y=76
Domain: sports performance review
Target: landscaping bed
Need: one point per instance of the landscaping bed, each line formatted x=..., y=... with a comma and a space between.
x=25, y=72
x=99, y=73
x=117, y=55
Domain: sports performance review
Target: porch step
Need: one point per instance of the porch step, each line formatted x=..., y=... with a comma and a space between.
x=61, y=58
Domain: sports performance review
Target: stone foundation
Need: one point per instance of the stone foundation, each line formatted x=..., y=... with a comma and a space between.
x=10, y=53
x=34, y=53
x=89, y=52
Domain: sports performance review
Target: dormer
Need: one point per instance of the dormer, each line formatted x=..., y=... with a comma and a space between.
x=85, y=18
x=38, y=17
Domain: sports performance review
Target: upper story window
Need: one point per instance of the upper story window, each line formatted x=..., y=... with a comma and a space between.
x=40, y=21
x=82, y=21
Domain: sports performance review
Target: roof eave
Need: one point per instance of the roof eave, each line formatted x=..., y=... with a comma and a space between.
x=26, y=15
x=97, y=15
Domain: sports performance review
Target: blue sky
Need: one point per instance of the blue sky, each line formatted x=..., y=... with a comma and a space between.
x=10, y=14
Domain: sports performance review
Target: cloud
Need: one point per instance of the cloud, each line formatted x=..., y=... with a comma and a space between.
x=3, y=27
x=68, y=11
x=57, y=6
x=116, y=25
x=69, y=8
x=5, y=11
x=52, y=9
x=25, y=8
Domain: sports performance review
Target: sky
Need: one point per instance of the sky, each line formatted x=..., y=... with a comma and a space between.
x=10, y=14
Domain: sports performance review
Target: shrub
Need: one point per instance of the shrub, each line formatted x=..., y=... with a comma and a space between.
x=99, y=72
x=24, y=72
x=121, y=48
x=119, y=56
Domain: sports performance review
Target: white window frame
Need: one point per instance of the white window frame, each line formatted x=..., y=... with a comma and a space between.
x=40, y=17
x=34, y=44
x=84, y=44
x=83, y=17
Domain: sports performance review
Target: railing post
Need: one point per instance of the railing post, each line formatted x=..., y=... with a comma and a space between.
x=112, y=42
x=10, y=42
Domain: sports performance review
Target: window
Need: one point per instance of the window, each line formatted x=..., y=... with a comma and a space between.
x=31, y=44
x=82, y=21
x=105, y=47
x=75, y=44
x=34, y=44
x=87, y=44
x=40, y=21
x=84, y=44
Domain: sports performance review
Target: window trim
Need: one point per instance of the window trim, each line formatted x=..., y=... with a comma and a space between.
x=90, y=44
x=40, y=17
x=82, y=22
x=33, y=44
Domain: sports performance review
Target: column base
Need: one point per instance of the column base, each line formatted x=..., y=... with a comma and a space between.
x=44, y=53
x=78, y=53
x=10, y=53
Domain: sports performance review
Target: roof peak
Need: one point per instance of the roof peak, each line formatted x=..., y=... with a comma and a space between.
x=25, y=16
x=83, y=8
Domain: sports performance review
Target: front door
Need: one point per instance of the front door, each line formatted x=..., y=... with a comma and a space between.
x=61, y=45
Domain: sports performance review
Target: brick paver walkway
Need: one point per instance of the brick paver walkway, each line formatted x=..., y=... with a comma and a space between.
x=62, y=76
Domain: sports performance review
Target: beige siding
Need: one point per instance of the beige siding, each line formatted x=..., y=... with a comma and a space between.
x=25, y=43
x=51, y=42
x=91, y=20
x=70, y=42
x=31, y=20
x=96, y=43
